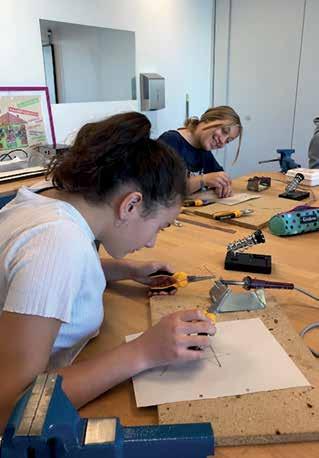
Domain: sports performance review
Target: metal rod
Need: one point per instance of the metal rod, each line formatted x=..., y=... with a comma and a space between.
x=209, y=271
x=268, y=160
x=233, y=282
x=301, y=290
x=214, y=353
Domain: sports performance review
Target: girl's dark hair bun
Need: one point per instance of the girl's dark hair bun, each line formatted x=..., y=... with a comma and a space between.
x=119, y=150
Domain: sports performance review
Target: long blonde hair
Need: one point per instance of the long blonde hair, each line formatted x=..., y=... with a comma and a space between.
x=222, y=113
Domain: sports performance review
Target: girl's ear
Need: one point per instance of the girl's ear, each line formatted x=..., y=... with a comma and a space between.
x=129, y=205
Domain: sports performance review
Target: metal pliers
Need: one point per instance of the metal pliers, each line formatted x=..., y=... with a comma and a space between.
x=175, y=280
x=179, y=280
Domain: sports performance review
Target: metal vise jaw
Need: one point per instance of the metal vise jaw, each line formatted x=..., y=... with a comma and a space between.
x=285, y=160
x=45, y=424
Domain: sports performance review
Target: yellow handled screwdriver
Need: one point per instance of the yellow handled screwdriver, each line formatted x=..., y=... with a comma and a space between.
x=231, y=214
x=197, y=202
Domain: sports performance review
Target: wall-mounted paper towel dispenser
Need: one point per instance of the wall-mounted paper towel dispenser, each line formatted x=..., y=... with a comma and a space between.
x=152, y=91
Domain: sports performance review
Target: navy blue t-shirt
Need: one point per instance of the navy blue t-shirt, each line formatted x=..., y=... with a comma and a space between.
x=197, y=160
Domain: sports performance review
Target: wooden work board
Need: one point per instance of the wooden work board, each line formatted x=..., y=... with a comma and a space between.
x=289, y=415
x=266, y=206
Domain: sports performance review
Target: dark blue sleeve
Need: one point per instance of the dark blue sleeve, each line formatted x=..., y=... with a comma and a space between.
x=171, y=139
x=196, y=159
x=210, y=164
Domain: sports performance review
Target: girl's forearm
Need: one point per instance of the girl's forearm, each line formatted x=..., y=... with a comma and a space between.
x=86, y=380
x=115, y=269
x=194, y=183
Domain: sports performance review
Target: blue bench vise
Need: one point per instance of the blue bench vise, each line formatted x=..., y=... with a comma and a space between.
x=45, y=424
x=285, y=160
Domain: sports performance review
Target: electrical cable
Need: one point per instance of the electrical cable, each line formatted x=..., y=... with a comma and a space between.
x=308, y=328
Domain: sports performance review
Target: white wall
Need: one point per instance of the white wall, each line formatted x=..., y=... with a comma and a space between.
x=173, y=38
x=266, y=67
x=260, y=75
x=307, y=102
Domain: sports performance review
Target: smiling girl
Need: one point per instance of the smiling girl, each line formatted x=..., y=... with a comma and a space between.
x=195, y=141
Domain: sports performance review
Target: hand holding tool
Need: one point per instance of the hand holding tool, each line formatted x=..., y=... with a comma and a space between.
x=198, y=202
x=232, y=214
x=211, y=315
x=181, y=280
x=167, y=281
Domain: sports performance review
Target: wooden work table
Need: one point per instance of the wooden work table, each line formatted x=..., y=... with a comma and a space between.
x=189, y=248
x=11, y=187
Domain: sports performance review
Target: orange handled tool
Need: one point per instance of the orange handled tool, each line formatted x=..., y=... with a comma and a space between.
x=175, y=280
x=179, y=280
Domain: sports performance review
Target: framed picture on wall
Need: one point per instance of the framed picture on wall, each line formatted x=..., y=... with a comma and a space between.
x=25, y=118
x=25, y=124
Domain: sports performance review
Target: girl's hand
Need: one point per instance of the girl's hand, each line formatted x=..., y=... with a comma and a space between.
x=221, y=182
x=141, y=272
x=169, y=341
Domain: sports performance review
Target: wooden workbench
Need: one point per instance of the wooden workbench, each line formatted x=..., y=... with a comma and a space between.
x=188, y=248
x=11, y=187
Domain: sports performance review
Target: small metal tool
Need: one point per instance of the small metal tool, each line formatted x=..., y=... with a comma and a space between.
x=170, y=280
x=214, y=353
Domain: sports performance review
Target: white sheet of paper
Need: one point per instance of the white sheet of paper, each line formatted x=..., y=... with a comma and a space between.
x=252, y=360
